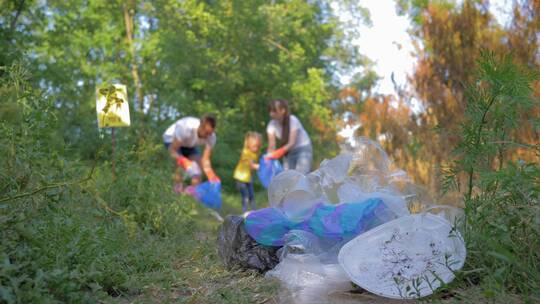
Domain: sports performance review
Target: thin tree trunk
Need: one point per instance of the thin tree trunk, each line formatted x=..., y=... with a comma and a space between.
x=129, y=13
x=148, y=116
x=158, y=107
x=113, y=148
x=6, y=41
x=20, y=7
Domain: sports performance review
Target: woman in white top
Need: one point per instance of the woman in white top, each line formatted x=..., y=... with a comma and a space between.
x=295, y=145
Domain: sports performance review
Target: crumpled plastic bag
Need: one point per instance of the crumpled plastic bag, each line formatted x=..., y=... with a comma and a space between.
x=308, y=269
x=237, y=249
x=269, y=226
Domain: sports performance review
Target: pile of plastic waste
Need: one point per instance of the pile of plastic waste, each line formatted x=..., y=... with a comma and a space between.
x=354, y=220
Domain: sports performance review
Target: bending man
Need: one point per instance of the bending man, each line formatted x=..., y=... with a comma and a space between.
x=182, y=139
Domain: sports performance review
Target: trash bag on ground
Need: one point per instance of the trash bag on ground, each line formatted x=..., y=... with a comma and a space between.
x=208, y=193
x=237, y=250
x=268, y=168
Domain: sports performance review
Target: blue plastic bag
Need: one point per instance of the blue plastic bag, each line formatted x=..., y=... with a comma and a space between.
x=269, y=226
x=267, y=170
x=209, y=194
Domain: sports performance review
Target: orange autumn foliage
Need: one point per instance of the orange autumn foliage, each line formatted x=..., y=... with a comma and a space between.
x=448, y=43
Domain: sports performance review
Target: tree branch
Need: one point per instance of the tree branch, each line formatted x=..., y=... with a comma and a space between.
x=279, y=46
x=478, y=138
x=13, y=23
x=51, y=186
x=129, y=14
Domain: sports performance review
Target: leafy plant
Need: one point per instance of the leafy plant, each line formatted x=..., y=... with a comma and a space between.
x=501, y=194
x=67, y=237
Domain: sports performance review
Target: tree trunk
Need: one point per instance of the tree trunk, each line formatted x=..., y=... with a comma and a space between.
x=19, y=9
x=129, y=13
x=6, y=43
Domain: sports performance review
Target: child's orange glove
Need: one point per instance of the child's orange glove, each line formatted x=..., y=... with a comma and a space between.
x=276, y=154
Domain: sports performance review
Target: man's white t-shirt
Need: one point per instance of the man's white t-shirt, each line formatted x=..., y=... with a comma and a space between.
x=185, y=130
x=302, y=138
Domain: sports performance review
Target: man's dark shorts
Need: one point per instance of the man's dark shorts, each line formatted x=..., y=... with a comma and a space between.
x=185, y=151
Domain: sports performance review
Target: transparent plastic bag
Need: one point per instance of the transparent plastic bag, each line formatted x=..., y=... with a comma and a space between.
x=367, y=156
x=292, y=192
x=299, y=242
x=193, y=170
x=303, y=272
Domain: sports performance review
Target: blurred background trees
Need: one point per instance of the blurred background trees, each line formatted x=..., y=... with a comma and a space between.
x=185, y=58
x=419, y=127
x=231, y=57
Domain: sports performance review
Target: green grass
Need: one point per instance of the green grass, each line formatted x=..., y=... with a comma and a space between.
x=129, y=239
x=125, y=243
x=83, y=252
x=195, y=274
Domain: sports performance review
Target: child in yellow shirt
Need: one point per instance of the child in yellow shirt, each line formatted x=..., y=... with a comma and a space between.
x=242, y=173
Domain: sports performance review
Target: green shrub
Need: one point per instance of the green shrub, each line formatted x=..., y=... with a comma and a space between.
x=501, y=195
x=66, y=238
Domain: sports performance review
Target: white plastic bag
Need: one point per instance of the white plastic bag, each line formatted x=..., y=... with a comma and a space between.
x=305, y=272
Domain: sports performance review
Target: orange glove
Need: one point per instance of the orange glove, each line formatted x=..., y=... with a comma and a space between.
x=191, y=167
x=212, y=177
x=276, y=154
x=184, y=162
